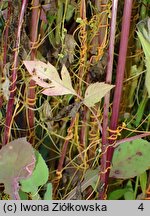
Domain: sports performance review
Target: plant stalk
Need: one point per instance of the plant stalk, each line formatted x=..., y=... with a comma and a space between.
x=31, y=93
x=117, y=95
x=107, y=97
x=4, y=59
x=10, y=105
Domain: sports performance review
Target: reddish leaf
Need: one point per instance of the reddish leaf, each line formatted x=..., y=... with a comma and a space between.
x=55, y=86
x=17, y=162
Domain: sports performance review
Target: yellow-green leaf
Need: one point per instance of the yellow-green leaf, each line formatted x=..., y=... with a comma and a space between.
x=95, y=92
x=144, y=37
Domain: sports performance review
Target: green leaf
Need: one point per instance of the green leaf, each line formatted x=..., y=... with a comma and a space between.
x=130, y=159
x=117, y=194
x=140, y=110
x=79, y=20
x=134, y=71
x=91, y=179
x=48, y=193
x=69, y=47
x=126, y=192
x=17, y=161
x=70, y=11
x=38, y=178
x=23, y=195
x=1, y=115
x=144, y=37
x=95, y=92
x=129, y=194
x=143, y=182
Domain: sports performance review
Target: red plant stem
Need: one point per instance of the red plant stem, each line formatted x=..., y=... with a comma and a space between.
x=5, y=38
x=102, y=7
x=34, y=25
x=129, y=139
x=81, y=74
x=62, y=158
x=83, y=128
x=1, y=102
x=64, y=149
x=83, y=9
x=107, y=97
x=118, y=90
x=32, y=85
x=6, y=34
x=109, y=70
x=10, y=105
x=121, y=63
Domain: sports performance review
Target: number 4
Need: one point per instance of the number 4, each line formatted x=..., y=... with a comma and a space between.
x=141, y=207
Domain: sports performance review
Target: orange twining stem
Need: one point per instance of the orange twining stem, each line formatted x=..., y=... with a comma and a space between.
x=148, y=193
x=113, y=137
x=13, y=87
x=14, y=81
x=16, y=49
x=58, y=176
x=13, y=90
x=116, y=133
x=14, y=68
x=105, y=193
x=31, y=101
x=111, y=145
x=36, y=44
x=103, y=25
x=104, y=5
x=32, y=87
x=106, y=170
x=3, y=79
x=35, y=7
x=137, y=131
x=123, y=127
